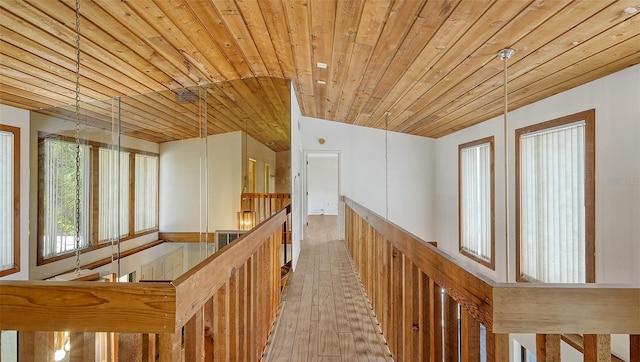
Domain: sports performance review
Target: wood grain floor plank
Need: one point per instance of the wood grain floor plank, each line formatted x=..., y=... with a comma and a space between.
x=325, y=314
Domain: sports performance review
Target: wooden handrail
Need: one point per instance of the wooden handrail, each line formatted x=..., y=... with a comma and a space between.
x=227, y=304
x=517, y=307
x=415, y=290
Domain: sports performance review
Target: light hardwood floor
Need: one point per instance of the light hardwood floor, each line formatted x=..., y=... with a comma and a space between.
x=325, y=315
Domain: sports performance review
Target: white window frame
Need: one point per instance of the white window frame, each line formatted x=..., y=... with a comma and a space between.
x=146, y=199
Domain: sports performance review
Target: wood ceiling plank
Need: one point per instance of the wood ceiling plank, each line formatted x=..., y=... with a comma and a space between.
x=254, y=24
x=369, y=29
x=558, y=59
x=20, y=101
x=106, y=28
x=480, y=65
x=28, y=84
x=19, y=94
x=430, y=20
x=117, y=19
x=200, y=22
x=48, y=48
x=57, y=18
x=345, y=30
x=297, y=15
x=414, y=80
x=546, y=84
x=276, y=21
x=323, y=14
x=169, y=36
x=397, y=25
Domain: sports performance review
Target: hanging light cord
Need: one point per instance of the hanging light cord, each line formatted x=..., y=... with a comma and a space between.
x=77, y=111
x=505, y=54
x=386, y=162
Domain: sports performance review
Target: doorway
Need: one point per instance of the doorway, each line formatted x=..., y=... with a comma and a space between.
x=321, y=184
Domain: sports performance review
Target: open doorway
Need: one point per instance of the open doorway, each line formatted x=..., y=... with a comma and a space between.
x=322, y=186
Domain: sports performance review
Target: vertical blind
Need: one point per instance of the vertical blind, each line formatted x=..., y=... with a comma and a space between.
x=146, y=192
x=6, y=200
x=552, y=221
x=114, y=195
x=475, y=200
x=60, y=197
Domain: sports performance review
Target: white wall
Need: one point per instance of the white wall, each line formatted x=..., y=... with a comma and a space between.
x=322, y=183
x=296, y=179
x=48, y=124
x=182, y=177
x=263, y=156
x=20, y=118
x=616, y=101
x=363, y=177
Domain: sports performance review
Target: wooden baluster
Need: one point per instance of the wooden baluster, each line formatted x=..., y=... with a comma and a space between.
x=35, y=346
x=470, y=338
x=170, y=346
x=194, y=341
x=548, y=347
x=497, y=347
x=232, y=317
x=242, y=313
x=149, y=354
x=634, y=347
x=597, y=347
x=426, y=287
x=253, y=287
x=450, y=329
x=438, y=314
x=411, y=309
x=395, y=340
x=219, y=324
x=129, y=347
x=82, y=346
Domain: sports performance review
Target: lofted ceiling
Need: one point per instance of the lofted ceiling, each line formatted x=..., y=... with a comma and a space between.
x=431, y=65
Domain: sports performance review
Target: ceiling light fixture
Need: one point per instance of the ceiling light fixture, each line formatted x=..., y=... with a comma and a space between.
x=321, y=65
x=630, y=10
x=321, y=82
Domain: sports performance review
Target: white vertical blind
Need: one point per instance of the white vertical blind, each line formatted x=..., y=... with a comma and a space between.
x=146, y=192
x=552, y=222
x=475, y=200
x=60, y=197
x=114, y=195
x=6, y=200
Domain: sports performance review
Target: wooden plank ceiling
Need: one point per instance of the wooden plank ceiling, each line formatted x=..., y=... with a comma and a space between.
x=431, y=64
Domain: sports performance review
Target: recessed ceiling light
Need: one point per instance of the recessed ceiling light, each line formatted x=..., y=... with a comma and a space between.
x=631, y=10
x=321, y=65
x=270, y=143
x=321, y=82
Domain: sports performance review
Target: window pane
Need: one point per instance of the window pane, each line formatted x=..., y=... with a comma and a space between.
x=60, y=197
x=114, y=195
x=6, y=200
x=552, y=204
x=476, y=219
x=146, y=192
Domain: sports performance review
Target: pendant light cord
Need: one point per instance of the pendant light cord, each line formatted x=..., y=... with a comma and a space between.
x=386, y=163
x=77, y=135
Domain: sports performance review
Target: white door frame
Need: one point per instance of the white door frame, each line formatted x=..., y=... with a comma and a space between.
x=305, y=197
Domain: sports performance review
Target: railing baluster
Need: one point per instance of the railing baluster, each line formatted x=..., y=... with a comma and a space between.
x=194, y=340
x=129, y=347
x=170, y=346
x=497, y=347
x=547, y=347
x=597, y=347
x=35, y=346
x=470, y=338
x=82, y=346
x=634, y=347
x=220, y=318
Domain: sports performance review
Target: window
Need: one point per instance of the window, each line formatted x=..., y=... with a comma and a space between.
x=118, y=195
x=146, y=193
x=555, y=165
x=114, y=195
x=59, y=202
x=9, y=200
x=476, y=201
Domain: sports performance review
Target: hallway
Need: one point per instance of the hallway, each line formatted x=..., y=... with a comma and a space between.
x=325, y=315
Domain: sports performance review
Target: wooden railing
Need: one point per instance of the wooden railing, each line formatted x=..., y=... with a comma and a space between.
x=416, y=290
x=222, y=309
x=266, y=204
